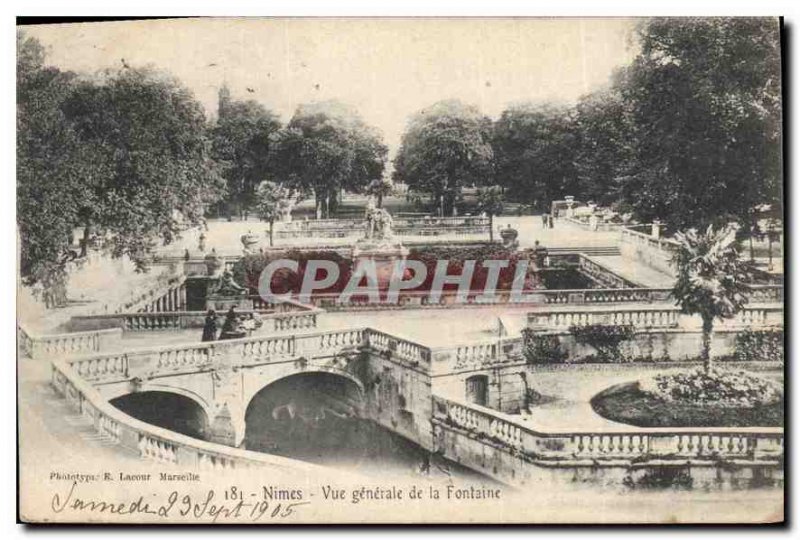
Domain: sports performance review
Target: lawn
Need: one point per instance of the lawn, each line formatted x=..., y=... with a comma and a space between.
x=628, y=404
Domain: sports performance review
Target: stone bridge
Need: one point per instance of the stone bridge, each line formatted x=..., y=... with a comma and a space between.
x=381, y=377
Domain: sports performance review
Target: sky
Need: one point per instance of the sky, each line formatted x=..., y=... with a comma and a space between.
x=387, y=69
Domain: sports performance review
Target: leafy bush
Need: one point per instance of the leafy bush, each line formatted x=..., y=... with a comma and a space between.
x=717, y=386
x=541, y=348
x=661, y=478
x=606, y=339
x=759, y=345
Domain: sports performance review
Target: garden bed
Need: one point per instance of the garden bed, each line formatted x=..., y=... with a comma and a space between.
x=629, y=404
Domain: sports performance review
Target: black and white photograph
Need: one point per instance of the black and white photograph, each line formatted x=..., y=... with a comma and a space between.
x=409, y=270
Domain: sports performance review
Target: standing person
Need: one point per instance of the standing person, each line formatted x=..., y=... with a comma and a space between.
x=210, y=326
x=544, y=220
x=231, y=327
x=539, y=254
x=550, y=220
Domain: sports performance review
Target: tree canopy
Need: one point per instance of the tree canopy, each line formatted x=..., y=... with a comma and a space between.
x=535, y=151
x=241, y=141
x=51, y=166
x=149, y=138
x=123, y=155
x=444, y=148
x=327, y=147
x=704, y=97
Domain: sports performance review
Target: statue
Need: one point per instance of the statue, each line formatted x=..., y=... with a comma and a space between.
x=509, y=237
x=379, y=244
x=378, y=226
x=249, y=240
x=227, y=286
x=213, y=263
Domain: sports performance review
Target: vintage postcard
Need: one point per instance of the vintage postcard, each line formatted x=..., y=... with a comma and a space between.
x=410, y=270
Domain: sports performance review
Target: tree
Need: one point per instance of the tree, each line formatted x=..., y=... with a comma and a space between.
x=272, y=202
x=712, y=280
x=535, y=153
x=603, y=147
x=153, y=175
x=705, y=103
x=52, y=166
x=490, y=201
x=445, y=147
x=325, y=148
x=241, y=144
x=380, y=188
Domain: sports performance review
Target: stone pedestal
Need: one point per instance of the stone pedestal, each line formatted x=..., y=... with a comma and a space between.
x=384, y=256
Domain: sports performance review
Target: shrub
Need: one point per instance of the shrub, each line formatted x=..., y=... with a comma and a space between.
x=718, y=387
x=606, y=339
x=661, y=478
x=759, y=345
x=541, y=348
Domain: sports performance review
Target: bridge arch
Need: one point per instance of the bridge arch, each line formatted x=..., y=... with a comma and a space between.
x=167, y=407
x=257, y=384
x=288, y=410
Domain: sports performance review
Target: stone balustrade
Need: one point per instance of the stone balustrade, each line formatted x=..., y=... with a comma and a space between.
x=638, y=295
x=665, y=245
x=602, y=274
x=401, y=226
x=171, y=299
x=156, y=444
x=514, y=436
x=483, y=353
x=117, y=367
x=170, y=285
x=651, y=317
x=601, y=226
x=278, y=319
x=293, y=321
x=56, y=345
x=765, y=294
x=100, y=368
x=407, y=351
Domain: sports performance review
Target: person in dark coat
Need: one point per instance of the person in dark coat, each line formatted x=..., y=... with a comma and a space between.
x=210, y=326
x=550, y=220
x=231, y=327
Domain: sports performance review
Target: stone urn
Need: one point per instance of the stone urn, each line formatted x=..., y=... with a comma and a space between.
x=213, y=263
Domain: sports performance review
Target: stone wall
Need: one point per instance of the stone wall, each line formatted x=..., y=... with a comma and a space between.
x=655, y=253
x=497, y=463
x=398, y=398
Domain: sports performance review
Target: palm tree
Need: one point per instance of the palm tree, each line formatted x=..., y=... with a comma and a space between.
x=712, y=279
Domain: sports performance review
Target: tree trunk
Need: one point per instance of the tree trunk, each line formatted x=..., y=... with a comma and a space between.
x=526, y=399
x=491, y=228
x=379, y=201
x=270, y=231
x=85, y=241
x=705, y=353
